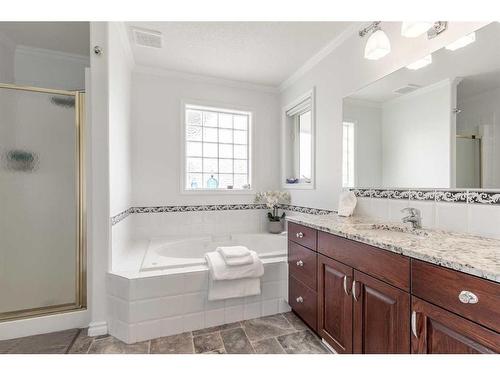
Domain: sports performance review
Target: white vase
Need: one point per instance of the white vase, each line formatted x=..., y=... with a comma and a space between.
x=275, y=226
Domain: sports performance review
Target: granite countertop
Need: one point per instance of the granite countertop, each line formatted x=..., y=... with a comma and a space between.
x=479, y=256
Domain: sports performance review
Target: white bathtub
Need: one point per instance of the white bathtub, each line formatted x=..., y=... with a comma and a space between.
x=168, y=253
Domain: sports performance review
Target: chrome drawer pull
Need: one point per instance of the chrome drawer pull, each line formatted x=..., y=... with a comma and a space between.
x=345, y=286
x=414, y=323
x=299, y=235
x=299, y=299
x=300, y=263
x=467, y=297
x=354, y=290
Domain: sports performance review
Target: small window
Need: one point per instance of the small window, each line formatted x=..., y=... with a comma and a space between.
x=217, y=149
x=348, y=155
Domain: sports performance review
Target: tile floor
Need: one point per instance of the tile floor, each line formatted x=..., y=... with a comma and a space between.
x=275, y=334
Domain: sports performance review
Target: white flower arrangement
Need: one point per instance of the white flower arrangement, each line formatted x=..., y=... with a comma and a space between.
x=273, y=199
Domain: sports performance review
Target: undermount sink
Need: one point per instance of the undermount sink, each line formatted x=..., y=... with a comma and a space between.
x=394, y=228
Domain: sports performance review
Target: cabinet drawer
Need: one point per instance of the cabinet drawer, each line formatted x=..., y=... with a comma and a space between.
x=302, y=264
x=303, y=301
x=302, y=235
x=384, y=265
x=442, y=287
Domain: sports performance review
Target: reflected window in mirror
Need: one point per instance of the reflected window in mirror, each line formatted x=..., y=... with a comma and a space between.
x=298, y=143
x=348, y=179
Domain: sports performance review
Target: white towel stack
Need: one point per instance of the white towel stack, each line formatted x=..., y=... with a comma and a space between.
x=235, y=271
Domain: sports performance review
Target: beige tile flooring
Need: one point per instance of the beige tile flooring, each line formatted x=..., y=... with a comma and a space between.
x=275, y=334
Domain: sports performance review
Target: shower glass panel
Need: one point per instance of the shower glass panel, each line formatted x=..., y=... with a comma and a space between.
x=41, y=226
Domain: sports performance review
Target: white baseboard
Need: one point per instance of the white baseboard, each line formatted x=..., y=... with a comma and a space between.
x=97, y=328
x=43, y=324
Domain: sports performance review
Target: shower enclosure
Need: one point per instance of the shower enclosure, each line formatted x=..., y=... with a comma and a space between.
x=42, y=202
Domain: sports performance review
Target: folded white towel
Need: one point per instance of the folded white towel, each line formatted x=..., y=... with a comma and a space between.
x=235, y=255
x=347, y=203
x=225, y=289
x=233, y=251
x=219, y=270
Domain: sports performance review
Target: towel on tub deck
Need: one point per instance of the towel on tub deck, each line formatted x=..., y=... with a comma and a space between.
x=219, y=270
x=233, y=281
x=224, y=289
x=235, y=255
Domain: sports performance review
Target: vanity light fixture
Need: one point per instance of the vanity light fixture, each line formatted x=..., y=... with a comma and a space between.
x=462, y=42
x=378, y=44
x=420, y=63
x=414, y=29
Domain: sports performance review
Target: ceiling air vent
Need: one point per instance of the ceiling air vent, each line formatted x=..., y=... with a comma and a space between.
x=406, y=89
x=147, y=38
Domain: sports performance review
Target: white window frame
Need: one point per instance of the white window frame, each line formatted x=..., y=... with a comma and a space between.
x=223, y=107
x=310, y=94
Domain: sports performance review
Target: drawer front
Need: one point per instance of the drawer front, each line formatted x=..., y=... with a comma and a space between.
x=303, y=301
x=382, y=264
x=302, y=235
x=442, y=287
x=302, y=264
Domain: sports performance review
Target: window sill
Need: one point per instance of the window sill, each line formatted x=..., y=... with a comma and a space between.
x=219, y=192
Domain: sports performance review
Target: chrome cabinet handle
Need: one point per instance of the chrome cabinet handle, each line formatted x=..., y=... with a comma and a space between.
x=300, y=263
x=354, y=290
x=345, y=286
x=299, y=299
x=467, y=297
x=299, y=235
x=414, y=323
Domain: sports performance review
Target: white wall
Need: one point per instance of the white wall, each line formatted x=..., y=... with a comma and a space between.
x=367, y=117
x=120, y=67
x=156, y=135
x=7, y=50
x=416, y=136
x=340, y=74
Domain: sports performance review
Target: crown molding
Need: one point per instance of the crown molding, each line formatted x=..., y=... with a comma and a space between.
x=162, y=72
x=319, y=56
x=34, y=51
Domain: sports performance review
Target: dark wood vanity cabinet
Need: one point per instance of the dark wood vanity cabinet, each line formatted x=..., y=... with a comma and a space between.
x=362, y=299
x=438, y=331
x=335, y=307
x=358, y=313
x=381, y=317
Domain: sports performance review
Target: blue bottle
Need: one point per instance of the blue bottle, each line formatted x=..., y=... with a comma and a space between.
x=212, y=183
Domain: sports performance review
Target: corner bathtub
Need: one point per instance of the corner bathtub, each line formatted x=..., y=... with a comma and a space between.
x=168, y=253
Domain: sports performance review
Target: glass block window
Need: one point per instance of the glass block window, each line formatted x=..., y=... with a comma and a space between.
x=217, y=148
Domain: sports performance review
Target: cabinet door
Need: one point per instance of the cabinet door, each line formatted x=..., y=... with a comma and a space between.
x=437, y=331
x=335, y=304
x=381, y=317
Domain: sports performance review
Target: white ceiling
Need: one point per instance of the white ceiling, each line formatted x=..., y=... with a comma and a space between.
x=69, y=37
x=257, y=52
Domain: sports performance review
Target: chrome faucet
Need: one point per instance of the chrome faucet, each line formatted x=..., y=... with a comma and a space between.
x=414, y=217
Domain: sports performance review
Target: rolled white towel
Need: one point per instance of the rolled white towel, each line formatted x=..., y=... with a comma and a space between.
x=235, y=255
x=219, y=270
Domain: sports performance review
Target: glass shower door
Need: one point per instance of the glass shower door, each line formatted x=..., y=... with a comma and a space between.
x=41, y=216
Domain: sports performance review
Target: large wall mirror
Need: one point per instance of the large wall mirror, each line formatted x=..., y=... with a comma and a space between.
x=432, y=124
x=298, y=143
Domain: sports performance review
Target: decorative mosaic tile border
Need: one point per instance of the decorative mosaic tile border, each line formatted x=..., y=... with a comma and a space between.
x=306, y=210
x=452, y=196
x=213, y=207
x=122, y=215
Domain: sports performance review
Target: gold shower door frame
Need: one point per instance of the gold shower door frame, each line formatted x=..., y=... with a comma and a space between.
x=81, y=244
